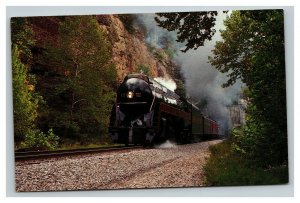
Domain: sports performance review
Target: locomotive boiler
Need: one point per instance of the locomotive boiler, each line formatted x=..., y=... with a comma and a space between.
x=146, y=112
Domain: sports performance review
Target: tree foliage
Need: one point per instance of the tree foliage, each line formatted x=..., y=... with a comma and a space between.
x=26, y=101
x=250, y=36
x=192, y=27
x=83, y=95
x=22, y=37
x=144, y=69
x=253, y=50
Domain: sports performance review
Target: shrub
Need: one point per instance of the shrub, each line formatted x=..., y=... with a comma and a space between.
x=144, y=69
x=39, y=140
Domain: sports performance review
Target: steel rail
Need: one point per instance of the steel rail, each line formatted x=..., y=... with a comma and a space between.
x=59, y=153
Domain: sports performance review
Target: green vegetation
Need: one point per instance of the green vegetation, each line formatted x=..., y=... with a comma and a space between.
x=143, y=69
x=26, y=101
x=22, y=37
x=78, y=145
x=227, y=167
x=63, y=92
x=253, y=50
x=83, y=89
x=36, y=139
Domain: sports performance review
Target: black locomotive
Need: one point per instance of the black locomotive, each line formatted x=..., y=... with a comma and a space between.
x=146, y=112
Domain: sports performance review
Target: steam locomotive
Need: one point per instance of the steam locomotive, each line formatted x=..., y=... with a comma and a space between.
x=146, y=112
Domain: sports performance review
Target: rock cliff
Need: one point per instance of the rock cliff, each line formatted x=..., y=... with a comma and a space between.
x=130, y=52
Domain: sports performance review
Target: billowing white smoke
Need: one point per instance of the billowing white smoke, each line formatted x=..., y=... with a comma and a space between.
x=168, y=83
x=202, y=81
x=166, y=144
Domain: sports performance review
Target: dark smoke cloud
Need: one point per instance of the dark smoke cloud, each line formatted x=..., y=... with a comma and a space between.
x=203, y=82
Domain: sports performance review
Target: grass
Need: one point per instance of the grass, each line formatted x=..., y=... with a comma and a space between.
x=226, y=168
x=71, y=144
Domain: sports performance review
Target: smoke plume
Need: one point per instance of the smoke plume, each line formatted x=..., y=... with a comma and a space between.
x=168, y=83
x=203, y=82
x=167, y=144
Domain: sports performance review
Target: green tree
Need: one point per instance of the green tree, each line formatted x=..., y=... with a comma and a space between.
x=26, y=100
x=192, y=27
x=25, y=103
x=253, y=50
x=22, y=36
x=83, y=94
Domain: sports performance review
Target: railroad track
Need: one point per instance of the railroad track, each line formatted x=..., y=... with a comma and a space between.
x=59, y=153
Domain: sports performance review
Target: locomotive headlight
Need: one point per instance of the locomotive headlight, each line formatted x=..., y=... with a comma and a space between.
x=129, y=94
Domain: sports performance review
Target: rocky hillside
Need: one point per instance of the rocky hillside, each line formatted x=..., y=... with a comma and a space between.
x=130, y=52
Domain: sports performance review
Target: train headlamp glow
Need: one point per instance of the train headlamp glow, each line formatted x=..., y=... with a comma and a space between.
x=129, y=94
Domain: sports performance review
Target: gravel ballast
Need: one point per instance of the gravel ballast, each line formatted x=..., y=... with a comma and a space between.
x=164, y=166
